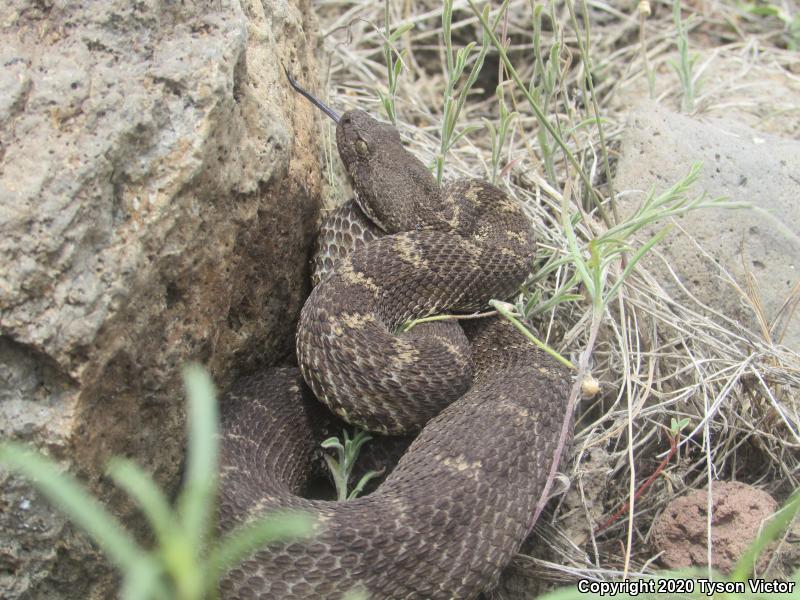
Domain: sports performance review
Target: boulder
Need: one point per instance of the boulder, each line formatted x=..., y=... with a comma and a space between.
x=744, y=165
x=159, y=186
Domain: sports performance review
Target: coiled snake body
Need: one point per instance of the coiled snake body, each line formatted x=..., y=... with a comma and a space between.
x=461, y=500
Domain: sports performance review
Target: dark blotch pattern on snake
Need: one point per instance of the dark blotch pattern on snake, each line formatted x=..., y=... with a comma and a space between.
x=461, y=500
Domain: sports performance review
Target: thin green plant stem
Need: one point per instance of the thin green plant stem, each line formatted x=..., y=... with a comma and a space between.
x=583, y=48
x=389, y=104
x=455, y=64
x=507, y=311
x=686, y=60
x=589, y=277
x=644, y=12
x=545, y=88
x=393, y=68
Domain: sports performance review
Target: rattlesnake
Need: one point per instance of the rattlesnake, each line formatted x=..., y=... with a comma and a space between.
x=461, y=500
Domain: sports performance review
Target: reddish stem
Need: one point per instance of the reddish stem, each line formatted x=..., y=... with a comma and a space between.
x=673, y=448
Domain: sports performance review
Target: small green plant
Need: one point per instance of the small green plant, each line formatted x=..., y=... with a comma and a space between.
x=544, y=83
x=500, y=132
x=341, y=467
x=686, y=60
x=393, y=66
x=593, y=261
x=455, y=65
x=589, y=265
x=188, y=560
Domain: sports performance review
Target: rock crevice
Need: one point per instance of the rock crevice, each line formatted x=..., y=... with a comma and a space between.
x=159, y=188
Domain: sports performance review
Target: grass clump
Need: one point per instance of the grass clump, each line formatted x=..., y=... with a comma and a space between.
x=594, y=261
x=188, y=560
x=569, y=73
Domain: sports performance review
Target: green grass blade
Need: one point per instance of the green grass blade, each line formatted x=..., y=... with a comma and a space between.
x=196, y=502
x=635, y=259
x=574, y=250
x=356, y=491
x=249, y=538
x=141, y=487
x=398, y=33
x=144, y=582
x=67, y=494
x=779, y=522
x=466, y=131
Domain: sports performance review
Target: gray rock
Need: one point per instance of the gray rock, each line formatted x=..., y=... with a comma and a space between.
x=744, y=165
x=159, y=185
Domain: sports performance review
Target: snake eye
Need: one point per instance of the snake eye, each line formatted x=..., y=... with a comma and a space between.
x=361, y=148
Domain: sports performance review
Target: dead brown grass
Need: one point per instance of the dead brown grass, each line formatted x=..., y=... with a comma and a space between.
x=656, y=359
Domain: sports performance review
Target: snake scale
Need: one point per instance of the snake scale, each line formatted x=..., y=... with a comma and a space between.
x=487, y=404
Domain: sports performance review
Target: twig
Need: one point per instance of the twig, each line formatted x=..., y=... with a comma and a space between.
x=673, y=448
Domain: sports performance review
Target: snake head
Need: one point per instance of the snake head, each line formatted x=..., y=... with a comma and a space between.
x=393, y=188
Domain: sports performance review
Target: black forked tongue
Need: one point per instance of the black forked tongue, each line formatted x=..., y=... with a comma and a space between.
x=316, y=102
